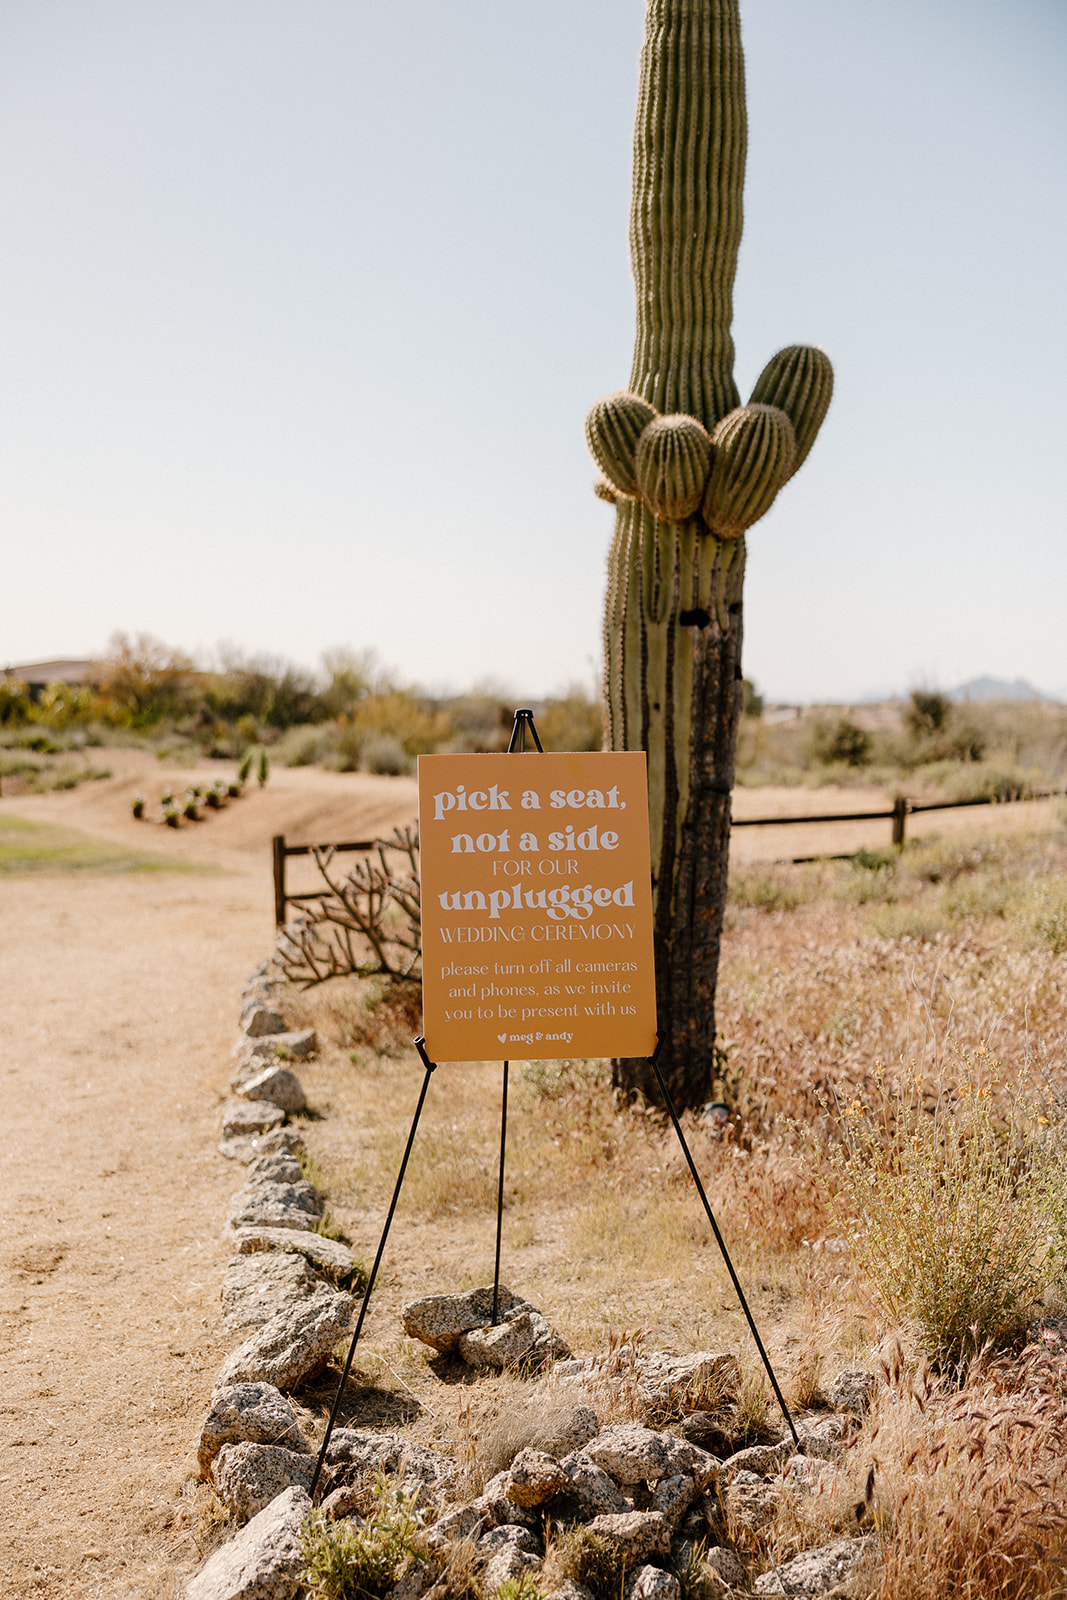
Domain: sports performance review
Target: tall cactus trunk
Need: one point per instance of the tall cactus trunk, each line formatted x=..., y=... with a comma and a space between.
x=690, y=469
x=674, y=609
x=674, y=601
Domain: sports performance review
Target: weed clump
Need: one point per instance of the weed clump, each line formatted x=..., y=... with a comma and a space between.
x=580, y=1556
x=954, y=1210
x=348, y=1563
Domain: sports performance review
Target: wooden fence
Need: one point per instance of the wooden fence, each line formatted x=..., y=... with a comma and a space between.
x=281, y=852
x=898, y=814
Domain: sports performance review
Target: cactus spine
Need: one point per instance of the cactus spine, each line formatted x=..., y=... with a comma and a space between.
x=690, y=470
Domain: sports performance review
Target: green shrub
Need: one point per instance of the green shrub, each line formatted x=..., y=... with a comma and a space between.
x=954, y=1212
x=1039, y=915
x=14, y=702
x=893, y=921
x=577, y=1555
x=385, y=755
x=764, y=891
x=346, y=1563
x=841, y=742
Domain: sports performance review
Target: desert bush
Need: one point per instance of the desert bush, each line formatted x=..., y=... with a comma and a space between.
x=951, y=1210
x=385, y=755
x=368, y=923
x=347, y=1563
x=396, y=714
x=926, y=714
x=980, y=780
x=1039, y=914
x=573, y=721
x=378, y=1014
x=872, y=876
x=14, y=702
x=894, y=921
x=841, y=741
x=63, y=705
x=578, y=1555
x=969, y=1484
x=304, y=746
x=144, y=681
x=765, y=890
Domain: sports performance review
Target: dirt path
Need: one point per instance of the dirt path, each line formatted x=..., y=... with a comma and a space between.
x=118, y=995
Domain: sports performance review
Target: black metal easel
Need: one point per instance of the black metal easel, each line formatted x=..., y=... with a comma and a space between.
x=524, y=721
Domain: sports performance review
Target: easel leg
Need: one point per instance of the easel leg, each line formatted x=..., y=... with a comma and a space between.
x=431, y=1067
x=500, y=1192
x=719, y=1240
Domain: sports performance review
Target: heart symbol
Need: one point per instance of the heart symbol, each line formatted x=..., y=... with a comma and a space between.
x=502, y=1037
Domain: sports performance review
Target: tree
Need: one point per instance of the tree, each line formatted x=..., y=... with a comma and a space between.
x=145, y=680
x=689, y=469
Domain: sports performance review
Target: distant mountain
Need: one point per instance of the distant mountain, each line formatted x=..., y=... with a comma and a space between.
x=999, y=689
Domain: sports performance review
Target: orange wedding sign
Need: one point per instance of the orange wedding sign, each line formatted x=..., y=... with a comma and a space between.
x=536, y=906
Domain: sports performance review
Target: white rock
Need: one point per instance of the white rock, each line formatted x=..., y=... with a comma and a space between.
x=510, y=1562
x=243, y=1117
x=256, y=1412
x=726, y=1566
x=279, y=1166
x=294, y=1345
x=255, y=1288
x=652, y=1583
x=249, y=1476
x=852, y=1391
x=276, y=1205
x=261, y=1019
x=638, y=1534
x=631, y=1453
x=439, y=1319
x=247, y=1148
x=759, y=1458
x=328, y=1255
x=816, y=1571
x=264, y=1562
x=371, y=1453
x=278, y=1085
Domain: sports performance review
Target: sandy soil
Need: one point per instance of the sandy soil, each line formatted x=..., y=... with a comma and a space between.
x=118, y=996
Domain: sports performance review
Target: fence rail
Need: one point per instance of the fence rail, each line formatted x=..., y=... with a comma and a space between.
x=898, y=814
x=280, y=852
x=901, y=809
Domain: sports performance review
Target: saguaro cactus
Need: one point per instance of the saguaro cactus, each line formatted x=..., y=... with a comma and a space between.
x=689, y=469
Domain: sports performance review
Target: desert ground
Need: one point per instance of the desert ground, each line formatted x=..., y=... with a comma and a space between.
x=119, y=987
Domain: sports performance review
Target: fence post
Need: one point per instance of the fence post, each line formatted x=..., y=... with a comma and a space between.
x=900, y=811
x=278, y=853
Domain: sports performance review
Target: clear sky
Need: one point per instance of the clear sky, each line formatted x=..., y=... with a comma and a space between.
x=303, y=302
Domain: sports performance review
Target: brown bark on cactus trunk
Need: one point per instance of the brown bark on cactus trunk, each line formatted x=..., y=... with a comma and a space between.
x=689, y=861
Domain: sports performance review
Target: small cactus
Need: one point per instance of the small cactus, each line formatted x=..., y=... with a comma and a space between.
x=138, y=808
x=263, y=768
x=245, y=769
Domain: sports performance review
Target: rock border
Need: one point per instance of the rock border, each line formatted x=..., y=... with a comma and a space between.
x=655, y=1495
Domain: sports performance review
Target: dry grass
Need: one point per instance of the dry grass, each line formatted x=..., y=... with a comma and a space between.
x=602, y=1229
